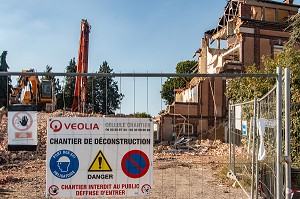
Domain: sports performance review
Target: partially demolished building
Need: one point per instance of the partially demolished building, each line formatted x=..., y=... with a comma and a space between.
x=250, y=29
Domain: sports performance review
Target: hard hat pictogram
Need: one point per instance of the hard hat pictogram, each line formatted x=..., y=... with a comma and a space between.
x=64, y=164
x=63, y=159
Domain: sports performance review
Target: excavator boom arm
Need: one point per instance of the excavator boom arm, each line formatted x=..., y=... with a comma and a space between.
x=80, y=91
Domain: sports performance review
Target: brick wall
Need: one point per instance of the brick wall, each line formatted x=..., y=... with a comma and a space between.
x=257, y=55
x=265, y=48
x=245, y=11
x=248, y=51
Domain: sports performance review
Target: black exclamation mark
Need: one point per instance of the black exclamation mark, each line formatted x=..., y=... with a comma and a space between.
x=100, y=162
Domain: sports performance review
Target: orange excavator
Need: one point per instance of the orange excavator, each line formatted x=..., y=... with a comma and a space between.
x=31, y=91
x=80, y=92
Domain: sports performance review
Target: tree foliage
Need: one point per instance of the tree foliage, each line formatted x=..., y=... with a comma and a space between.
x=103, y=93
x=172, y=83
x=142, y=115
x=69, y=84
x=56, y=83
x=295, y=30
x=5, y=82
x=247, y=88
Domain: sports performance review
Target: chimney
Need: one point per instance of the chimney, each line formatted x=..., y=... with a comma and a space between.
x=288, y=1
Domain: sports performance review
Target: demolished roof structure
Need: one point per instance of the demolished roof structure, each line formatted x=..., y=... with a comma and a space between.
x=246, y=26
x=246, y=31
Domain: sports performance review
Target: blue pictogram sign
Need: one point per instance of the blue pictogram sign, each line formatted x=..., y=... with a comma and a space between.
x=135, y=163
x=244, y=127
x=64, y=164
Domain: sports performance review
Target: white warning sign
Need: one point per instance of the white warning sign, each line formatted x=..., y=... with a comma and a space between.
x=99, y=157
x=22, y=128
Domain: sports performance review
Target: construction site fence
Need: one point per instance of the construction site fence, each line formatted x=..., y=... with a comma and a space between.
x=262, y=127
x=268, y=175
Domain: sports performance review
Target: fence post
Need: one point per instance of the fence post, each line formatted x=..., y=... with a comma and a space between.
x=229, y=135
x=287, y=134
x=253, y=147
x=257, y=148
x=233, y=139
x=279, y=134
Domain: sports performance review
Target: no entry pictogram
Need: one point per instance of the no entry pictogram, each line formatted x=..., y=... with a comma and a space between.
x=22, y=121
x=135, y=163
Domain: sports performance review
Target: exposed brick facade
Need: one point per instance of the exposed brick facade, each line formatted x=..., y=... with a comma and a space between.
x=254, y=38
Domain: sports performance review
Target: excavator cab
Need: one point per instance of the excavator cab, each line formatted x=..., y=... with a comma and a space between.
x=46, y=91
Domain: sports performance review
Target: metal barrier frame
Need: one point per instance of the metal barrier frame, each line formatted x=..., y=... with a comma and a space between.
x=277, y=75
x=281, y=159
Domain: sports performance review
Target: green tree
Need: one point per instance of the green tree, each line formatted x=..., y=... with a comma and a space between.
x=142, y=115
x=103, y=95
x=5, y=81
x=70, y=84
x=167, y=92
x=56, y=83
x=295, y=30
x=243, y=89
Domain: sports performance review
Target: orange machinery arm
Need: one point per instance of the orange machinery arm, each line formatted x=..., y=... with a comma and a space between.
x=80, y=92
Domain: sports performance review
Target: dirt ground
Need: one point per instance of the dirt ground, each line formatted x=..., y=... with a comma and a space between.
x=177, y=173
x=172, y=179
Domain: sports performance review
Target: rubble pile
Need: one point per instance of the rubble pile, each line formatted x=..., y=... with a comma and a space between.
x=192, y=146
x=198, y=146
x=14, y=157
x=184, y=149
x=3, y=140
x=3, y=112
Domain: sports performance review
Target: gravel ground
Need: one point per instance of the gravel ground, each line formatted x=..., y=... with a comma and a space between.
x=172, y=179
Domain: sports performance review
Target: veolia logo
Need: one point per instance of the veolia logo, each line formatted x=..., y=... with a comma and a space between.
x=55, y=125
x=81, y=126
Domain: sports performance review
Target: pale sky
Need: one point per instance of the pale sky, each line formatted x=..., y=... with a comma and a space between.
x=131, y=35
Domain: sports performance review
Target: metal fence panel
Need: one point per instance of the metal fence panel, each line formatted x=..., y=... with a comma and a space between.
x=186, y=167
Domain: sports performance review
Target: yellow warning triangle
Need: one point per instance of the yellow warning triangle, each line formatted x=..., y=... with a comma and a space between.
x=100, y=163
